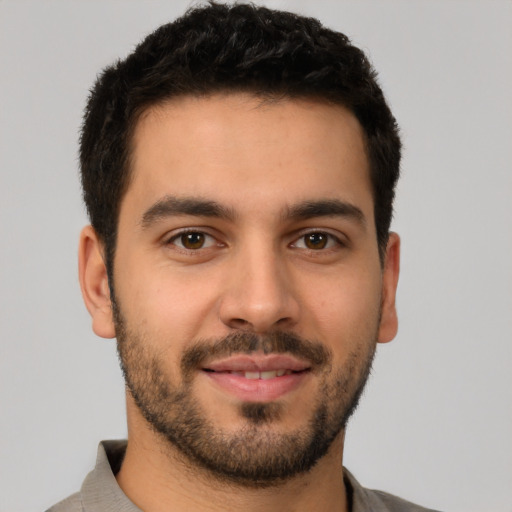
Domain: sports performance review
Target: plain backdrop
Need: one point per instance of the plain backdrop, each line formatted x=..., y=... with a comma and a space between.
x=435, y=424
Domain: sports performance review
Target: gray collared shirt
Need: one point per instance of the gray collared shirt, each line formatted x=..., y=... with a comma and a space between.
x=100, y=491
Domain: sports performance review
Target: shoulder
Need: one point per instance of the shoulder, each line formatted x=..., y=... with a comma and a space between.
x=395, y=504
x=72, y=503
x=364, y=499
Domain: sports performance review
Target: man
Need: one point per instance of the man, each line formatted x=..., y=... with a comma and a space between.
x=239, y=171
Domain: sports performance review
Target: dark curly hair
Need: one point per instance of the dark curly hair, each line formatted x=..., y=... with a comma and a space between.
x=231, y=48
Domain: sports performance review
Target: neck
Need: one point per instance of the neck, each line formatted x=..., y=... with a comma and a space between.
x=156, y=477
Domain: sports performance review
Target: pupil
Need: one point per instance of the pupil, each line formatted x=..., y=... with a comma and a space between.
x=316, y=240
x=193, y=240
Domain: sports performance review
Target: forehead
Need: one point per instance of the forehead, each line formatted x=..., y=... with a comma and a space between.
x=239, y=150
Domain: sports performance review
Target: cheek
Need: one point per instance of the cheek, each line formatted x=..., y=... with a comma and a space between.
x=170, y=304
x=346, y=310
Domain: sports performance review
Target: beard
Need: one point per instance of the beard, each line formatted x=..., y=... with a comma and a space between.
x=256, y=455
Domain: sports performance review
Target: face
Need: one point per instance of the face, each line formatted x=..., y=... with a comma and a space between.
x=249, y=294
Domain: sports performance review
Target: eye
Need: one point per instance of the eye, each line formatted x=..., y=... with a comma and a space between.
x=193, y=240
x=316, y=241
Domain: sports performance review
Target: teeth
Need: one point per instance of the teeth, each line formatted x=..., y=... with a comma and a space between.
x=271, y=374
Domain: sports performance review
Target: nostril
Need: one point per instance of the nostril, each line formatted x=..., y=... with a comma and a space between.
x=239, y=323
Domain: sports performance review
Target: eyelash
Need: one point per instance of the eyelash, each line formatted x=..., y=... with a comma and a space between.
x=172, y=240
x=331, y=242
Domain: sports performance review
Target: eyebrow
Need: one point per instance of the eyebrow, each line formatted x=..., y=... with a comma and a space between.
x=171, y=206
x=326, y=208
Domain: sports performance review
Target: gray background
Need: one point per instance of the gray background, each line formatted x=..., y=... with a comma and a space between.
x=436, y=421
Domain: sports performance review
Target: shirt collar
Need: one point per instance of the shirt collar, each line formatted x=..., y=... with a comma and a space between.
x=100, y=490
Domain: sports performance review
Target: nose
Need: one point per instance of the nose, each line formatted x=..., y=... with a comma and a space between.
x=259, y=295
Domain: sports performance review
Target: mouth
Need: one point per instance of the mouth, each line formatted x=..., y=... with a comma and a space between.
x=263, y=375
x=257, y=377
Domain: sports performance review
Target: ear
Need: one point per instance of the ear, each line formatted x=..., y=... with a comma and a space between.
x=94, y=283
x=389, y=320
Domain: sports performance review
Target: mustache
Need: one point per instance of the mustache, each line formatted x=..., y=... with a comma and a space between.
x=277, y=342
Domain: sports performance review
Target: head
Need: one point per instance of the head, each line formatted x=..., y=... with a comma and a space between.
x=239, y=170
x=240, y=48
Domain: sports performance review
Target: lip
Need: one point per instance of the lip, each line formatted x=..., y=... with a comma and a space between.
x=257, y=390
x=257, y=363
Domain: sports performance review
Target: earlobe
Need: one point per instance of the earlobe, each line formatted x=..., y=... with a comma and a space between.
x=94, y=283
x=389, y=319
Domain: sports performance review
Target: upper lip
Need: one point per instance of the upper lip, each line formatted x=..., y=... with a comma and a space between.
x=257, y=363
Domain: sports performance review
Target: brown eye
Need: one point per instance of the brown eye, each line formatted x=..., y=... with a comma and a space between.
x=316, y=241
x=193, y=240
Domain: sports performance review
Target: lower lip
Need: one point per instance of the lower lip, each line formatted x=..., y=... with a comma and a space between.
x=257, y=390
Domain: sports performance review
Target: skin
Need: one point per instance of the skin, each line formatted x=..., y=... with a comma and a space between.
x=255, y=273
